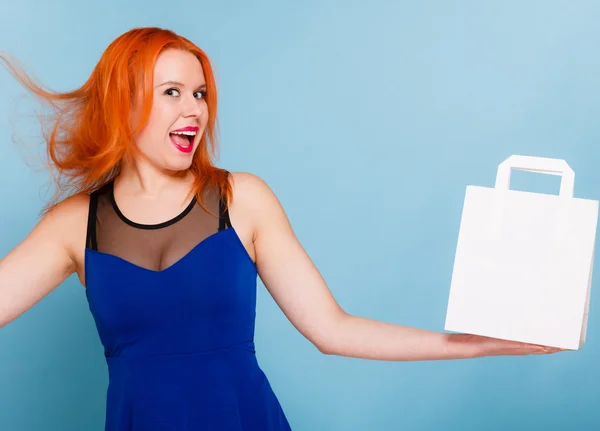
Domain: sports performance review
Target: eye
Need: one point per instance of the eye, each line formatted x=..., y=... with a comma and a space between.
x=170, y=92
x=202, y=94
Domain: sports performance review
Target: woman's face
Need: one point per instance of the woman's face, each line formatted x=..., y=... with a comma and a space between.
x=179, y=112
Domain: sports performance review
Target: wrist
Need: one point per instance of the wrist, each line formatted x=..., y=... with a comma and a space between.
x=462, y=346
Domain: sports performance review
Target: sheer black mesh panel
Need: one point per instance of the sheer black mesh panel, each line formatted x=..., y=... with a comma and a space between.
x=154, y=247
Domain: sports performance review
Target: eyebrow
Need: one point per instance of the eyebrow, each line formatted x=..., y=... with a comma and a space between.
x=178, y=84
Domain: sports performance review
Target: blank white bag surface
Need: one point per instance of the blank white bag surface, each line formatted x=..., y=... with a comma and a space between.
x=523, y=267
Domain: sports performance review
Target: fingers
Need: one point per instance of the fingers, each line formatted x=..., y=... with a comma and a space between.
x=535, y=349
x=545, y=350
x=553, y=349
x=496, y=347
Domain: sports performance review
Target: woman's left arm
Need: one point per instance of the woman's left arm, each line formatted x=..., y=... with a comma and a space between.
x=298, y=288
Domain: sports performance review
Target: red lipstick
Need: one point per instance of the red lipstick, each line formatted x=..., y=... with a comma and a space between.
x=183, y=139
x=187, y=129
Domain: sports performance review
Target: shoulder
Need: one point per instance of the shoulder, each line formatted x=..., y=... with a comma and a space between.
x=70, y=210
x=254, y=198
x=68, y=219
x=63, y=227
x=246, y=179
x=251, y=191
x=71, y=219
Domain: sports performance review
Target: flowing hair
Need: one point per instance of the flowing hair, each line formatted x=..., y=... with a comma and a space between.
x=88, y=134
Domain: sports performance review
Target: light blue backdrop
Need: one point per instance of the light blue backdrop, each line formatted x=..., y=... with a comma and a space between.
x=368, y=120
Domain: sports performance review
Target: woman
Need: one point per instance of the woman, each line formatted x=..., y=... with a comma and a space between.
x=169, y=248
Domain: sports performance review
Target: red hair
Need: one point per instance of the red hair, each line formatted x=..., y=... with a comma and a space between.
x=90, y=135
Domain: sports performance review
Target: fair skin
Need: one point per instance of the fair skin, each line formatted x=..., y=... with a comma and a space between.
x=155, y=188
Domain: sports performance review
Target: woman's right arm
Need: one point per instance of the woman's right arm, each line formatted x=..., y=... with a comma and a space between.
x=51, y=252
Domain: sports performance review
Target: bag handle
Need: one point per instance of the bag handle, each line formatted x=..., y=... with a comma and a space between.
x=541, y=165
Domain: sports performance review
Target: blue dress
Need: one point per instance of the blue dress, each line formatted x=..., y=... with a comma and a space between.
x=174, y=305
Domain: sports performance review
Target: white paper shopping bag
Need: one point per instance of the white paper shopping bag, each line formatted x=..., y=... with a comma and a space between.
x=523, y=264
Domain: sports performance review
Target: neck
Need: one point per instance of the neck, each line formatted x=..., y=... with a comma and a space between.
x=143, y=178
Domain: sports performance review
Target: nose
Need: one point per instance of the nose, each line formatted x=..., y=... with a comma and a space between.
x=191, y=106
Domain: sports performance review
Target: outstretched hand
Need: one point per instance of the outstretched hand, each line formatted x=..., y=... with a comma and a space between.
x=487, y=346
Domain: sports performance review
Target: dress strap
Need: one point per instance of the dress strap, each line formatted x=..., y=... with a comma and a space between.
x=92, y=237
x=224, y=221
x=91, y=240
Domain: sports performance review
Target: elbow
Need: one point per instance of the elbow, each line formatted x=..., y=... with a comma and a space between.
x=5, y=321
x=325, y=348
x=6, y=317
x=330, y=335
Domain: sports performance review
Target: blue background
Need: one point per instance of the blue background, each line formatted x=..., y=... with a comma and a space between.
x=368, y=120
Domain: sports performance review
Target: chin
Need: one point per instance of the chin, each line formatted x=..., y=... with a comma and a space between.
x=172, y=162
x=180, y=165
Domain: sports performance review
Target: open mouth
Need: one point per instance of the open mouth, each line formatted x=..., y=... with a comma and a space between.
x=183, y=140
